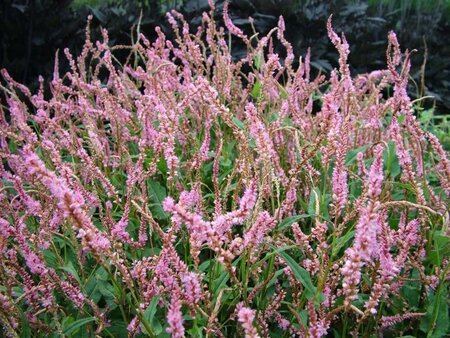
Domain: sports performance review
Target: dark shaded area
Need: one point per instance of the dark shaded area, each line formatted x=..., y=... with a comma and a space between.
x=32, y=30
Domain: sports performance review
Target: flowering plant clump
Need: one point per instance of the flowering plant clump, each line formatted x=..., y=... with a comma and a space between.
x=184, y=193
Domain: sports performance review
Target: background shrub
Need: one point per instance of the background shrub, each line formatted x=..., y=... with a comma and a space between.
x=31, y=32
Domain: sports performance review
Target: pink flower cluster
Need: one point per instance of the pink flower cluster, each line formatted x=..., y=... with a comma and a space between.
x=188, y=193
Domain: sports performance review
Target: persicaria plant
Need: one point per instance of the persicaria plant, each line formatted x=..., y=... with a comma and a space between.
x=185, y=193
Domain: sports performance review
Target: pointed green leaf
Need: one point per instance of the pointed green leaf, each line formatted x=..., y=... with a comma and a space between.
x=300, y=273
x=288, y=221
x=157, y=196
x=341, y=242
x=73, y=327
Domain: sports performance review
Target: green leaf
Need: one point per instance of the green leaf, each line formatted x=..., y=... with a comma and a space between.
x=106, y=289
x=442, y=241
x=118, y=328
x=252, y=143
x=426, y=116
x=256, y=91
x=238, y=123
x=76, y=325
x=314, y=197
x=391, y=160
x=149, y=315
x=92, y=290
x=301, y=274
x=257, y=61
x=436, y=321
x=226, y=163
x=205, y=265
x=25, y=329
x=351, y=155
x=288, y=221
x=283, y=92
x=98, y=14
x=411, y=289
x=157, y=195
x=220, y=282
x=441, y=248
x=341, y=241
x=274, y=279
x=51, y=259
x=108, y=292
x=275, y=252
x=336, y=333
x=196, y=331
x=162, y=166
x=101, y=273
x=303, y=314
x=12, y=146
x=406, y=186
x=71, y=269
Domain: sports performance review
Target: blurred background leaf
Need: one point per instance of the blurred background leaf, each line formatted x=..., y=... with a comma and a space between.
x=32, y=30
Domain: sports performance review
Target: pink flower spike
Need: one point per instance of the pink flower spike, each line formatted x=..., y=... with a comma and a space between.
x=255, y=235
x=175, y=318
x=246, y=316
x=192, y=287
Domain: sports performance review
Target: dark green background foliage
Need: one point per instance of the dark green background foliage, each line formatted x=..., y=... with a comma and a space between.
x=32, y=30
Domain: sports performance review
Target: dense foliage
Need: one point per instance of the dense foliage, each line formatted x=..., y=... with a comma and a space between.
x=187, y=193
